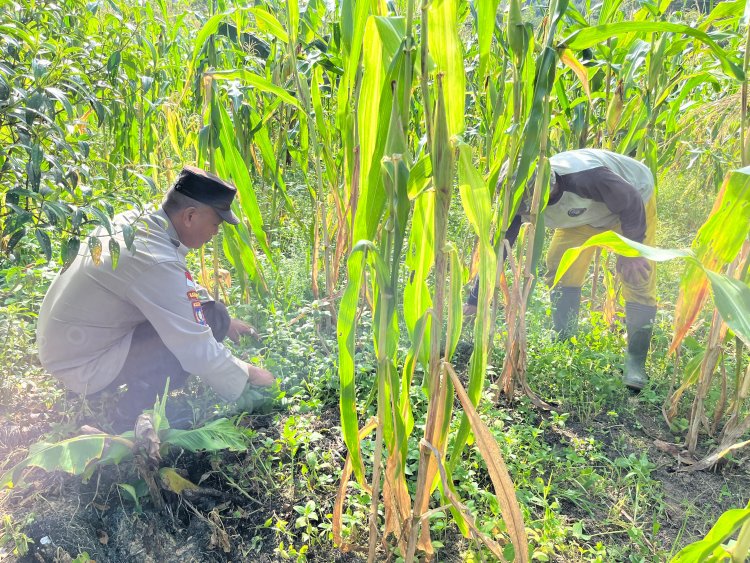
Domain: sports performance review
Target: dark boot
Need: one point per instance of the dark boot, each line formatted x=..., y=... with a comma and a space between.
x=566, y=301
x=640, y=321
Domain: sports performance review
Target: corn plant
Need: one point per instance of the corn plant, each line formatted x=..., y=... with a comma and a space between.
x=391, y=188
x=716, y=545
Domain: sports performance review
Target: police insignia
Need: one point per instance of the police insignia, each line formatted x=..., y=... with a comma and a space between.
x=576, y=211
x=198, y=313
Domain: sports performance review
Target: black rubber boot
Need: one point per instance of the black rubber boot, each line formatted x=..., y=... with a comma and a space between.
x=566, y=301
x=640, y=321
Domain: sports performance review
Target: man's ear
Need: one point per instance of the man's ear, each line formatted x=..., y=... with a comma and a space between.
x=188, y=214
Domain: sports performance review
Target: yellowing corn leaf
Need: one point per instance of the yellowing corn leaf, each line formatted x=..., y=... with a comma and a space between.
x=717, y=243
x=568, y=59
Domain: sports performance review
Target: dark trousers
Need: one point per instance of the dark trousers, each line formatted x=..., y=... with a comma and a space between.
x=149, y=363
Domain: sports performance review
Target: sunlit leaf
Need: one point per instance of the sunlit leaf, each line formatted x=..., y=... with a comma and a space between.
x=591, y=36
x=728, y=523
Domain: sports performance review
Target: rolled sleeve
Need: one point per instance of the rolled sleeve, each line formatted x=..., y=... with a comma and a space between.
x=162, y=295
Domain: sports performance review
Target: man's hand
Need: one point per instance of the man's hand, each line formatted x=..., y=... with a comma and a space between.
x=470, y=310
x=633, y=269
x=259, y=376
x=237, y=328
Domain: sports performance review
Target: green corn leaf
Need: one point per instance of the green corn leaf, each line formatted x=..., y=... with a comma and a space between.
x=232, y=252
x=257, y=82
x=618, y=244
x=475, y=198
x=446, y=51
x=455, y=303
x=208, y=29
x=486, y=12
x=268, y=23
x=263, y=139
x=732, y=299
x=419, y=177
x=230, y=164
x=728, y=523
x=592, y=36
x=609, y=9
x=731, y=296
x=419, y=260
x=383, y=37
x=292, y=20
x=726, y=9
x=346, y=334
x=239, y=235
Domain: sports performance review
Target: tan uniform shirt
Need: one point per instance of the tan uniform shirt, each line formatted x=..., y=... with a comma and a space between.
x=89, y=314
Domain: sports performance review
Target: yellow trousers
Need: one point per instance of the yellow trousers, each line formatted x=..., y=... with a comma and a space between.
x=563, y=239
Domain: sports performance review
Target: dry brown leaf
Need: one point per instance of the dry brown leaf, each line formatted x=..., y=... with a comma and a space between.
x=667, y=447
x=491, y=544
x=346, y=473
x=504, y=489
x=396, y=501
x=219, y=536
x=146, y=437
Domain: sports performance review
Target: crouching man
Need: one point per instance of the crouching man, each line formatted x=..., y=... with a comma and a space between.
x=146, y=320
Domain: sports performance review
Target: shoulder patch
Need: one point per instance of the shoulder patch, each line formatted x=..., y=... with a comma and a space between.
x=576, y=211
x=189, y=280
x=198, y=313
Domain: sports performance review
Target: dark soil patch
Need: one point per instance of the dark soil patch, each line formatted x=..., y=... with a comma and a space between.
x=96, y=518
x=255, y=491
x=690, y=501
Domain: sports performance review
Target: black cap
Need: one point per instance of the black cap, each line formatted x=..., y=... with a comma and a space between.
x=209, y=189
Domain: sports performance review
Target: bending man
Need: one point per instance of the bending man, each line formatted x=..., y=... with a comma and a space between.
x=145, y=320
x=592, y=191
